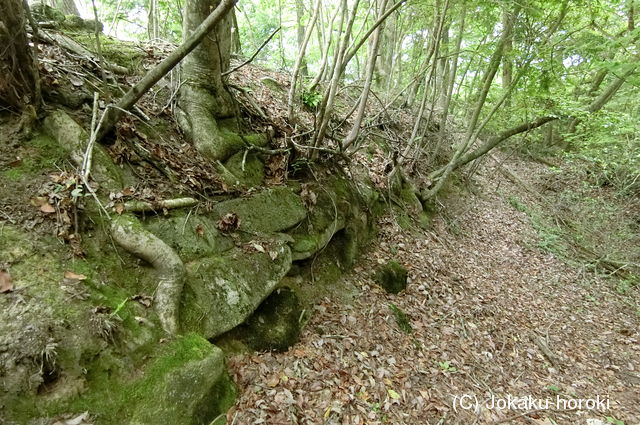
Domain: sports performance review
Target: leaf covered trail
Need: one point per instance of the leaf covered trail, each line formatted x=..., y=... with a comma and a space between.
x=493, y=316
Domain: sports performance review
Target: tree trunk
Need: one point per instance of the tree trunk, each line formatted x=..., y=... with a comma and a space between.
x=604, y=97
x=371, y=65
x=236, y=46
x=203, y=98
x=300, y=62
x=152, y=20
x=325, y=51
x=18, y=74
x=488, y=77
x=195, y=124
x=507, y=64
x=301, y=36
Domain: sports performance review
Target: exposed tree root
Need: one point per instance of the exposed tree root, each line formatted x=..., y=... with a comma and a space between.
x=130, y=235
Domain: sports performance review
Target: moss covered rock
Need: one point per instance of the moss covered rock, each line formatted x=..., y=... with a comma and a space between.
x=191, y=236
x=248, y=170
x=222, y=292
x=272, y=210
x=392, y=277
x=341, y=210
x=276, y=323
x=189, y=385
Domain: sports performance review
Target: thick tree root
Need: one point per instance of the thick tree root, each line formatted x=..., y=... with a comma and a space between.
x=130, y=235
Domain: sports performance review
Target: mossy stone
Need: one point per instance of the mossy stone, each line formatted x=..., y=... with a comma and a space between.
x=221, y=292
x=248, y=170
x=191, y=236
x=272, y=84
x=392, y=277
x=275, y=326
x=269, y=211
x=187, y=386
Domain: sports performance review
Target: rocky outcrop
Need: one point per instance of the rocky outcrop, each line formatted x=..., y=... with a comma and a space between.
x=187, y=386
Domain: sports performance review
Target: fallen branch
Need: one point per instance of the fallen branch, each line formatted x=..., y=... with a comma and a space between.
x=145, y=206
x=553, y=359
x=482, y=150
x=248, y=61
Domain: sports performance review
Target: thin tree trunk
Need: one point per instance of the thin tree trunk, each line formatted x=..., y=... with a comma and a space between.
x=427, y=83
x=325, y=50
x=236, y=46
x=454, y=70
x=298, y=67
x=302, y=44
x=606, y=95
x=495, y=141
x=371, y=64
x=326, y=106
x=490, y=73
x=507, y=63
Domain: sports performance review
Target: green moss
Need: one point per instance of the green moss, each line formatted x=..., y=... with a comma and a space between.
x=222, y=292
x=247, y=169
x=187, y=385
x=192, y=236
x=402, y=319
x=256, y=139
x=38, y=154
x=122, y=53
x=272, y=210
x=392, y=277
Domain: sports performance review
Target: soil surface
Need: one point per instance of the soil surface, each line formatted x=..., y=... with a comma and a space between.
x=494, y=319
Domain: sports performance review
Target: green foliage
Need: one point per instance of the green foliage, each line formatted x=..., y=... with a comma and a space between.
x=311, y=99
x=447, y=367
x=608, y=146
x=614, y=421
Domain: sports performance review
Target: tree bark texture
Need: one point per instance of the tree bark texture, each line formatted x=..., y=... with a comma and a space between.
x=204, y=99
x=18, y=76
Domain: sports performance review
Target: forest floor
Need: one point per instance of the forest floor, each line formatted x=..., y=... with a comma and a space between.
x=492, y=318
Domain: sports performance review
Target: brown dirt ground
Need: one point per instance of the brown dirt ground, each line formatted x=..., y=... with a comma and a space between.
x=492, y=315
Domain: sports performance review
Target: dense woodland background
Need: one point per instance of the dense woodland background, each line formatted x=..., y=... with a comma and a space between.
x=466, y=68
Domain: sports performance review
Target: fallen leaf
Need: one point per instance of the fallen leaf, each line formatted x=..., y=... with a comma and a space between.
x=273, y=382
x=6, y=283
x=47, y=208
x=128, y=191
x=393, y=394
x=74, y=276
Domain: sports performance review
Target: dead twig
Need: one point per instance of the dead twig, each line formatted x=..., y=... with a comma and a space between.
x=235, y=68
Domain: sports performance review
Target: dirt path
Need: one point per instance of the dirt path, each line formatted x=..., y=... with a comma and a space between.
x=492, y=315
